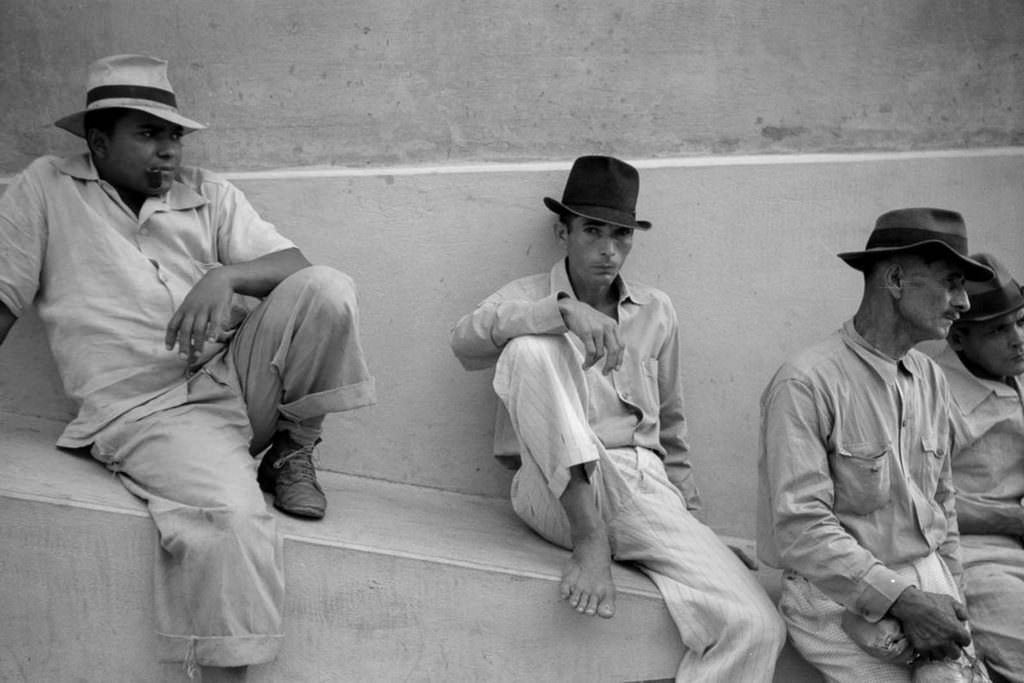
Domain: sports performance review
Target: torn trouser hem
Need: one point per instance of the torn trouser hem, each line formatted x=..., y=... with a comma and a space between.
x=219, y=650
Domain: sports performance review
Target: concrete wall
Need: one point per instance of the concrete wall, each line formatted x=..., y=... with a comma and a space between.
x=746, y=249
x=351, y=83
x=357, y=99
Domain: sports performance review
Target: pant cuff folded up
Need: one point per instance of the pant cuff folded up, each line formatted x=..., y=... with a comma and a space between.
x=219, y=650
x=336, y=400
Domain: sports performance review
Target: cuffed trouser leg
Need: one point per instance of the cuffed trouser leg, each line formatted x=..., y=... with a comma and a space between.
x=727, y=623
x=298, y=356
x=994, y=577
x=219, y=574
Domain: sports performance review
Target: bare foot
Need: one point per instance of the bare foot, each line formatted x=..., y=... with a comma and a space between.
x=587, y=577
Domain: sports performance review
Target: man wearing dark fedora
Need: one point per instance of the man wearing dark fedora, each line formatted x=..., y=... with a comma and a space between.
x=191, y=335
x=984, y=363
x=587, y=367
x=856, y=501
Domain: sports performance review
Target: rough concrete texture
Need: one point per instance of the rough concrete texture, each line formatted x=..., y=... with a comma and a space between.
x=747, y=253
x=347, y=83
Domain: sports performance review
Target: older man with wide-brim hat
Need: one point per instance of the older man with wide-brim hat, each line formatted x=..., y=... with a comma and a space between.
x=856, y=501
x=137, y=265
x=984, y=362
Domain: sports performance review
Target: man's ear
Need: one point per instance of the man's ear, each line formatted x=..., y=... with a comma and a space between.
x=561, y=231
x=99, y=143
x=892, y=280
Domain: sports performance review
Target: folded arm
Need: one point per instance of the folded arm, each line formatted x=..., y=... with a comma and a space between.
x=981, y=515
x=478, y=338
x=204, y=313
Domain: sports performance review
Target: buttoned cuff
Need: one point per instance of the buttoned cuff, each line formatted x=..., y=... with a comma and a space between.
x=881, y=588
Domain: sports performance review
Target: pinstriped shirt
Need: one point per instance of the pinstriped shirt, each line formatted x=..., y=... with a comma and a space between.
x=106, y=282
x=640, y=404
x=855, y=475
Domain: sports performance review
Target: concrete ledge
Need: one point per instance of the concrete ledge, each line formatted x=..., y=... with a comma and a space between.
x=398, y=583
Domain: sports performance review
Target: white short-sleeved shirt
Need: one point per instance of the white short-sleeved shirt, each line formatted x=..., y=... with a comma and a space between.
x=106, y=282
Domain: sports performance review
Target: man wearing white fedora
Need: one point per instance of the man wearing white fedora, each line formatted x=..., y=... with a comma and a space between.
x=587, y=365
x=984, y=363
x=191, y=336
x=856, y=501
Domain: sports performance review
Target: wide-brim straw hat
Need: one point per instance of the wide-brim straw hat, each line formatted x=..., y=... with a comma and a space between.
x=916, y=230
x=995, y=297
x=128, y=82
x=603, y=189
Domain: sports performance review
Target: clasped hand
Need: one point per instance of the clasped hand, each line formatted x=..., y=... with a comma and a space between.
x=935, y=624
x=598, y=332
x=202, y=316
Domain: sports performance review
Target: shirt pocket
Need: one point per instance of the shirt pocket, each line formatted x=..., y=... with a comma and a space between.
x=933, y=456
x=862, y=477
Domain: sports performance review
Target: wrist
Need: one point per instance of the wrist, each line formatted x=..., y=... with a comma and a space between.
x=898, y=608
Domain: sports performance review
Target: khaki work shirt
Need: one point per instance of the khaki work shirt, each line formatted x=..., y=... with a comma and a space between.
x=855, y=470
x=640, y=404
x=988, y=452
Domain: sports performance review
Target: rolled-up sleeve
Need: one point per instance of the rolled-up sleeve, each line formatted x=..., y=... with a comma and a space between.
x=807, y=535
x=22, y=242
x=242, y=234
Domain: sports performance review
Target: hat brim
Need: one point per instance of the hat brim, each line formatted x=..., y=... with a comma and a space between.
x=862, y=260
x=75, y=123
x=598, y=213
x=967, y=318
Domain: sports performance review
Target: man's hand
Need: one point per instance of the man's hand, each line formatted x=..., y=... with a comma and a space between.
x=201, y=316
x=598, y=332
x=934, y=623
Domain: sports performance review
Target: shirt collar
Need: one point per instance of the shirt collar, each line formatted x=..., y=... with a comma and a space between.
x=560, y=283
x=969, y=389
x=180, y=197
x=886, y=366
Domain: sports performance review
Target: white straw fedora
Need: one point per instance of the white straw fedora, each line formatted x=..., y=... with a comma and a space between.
x=128, y=82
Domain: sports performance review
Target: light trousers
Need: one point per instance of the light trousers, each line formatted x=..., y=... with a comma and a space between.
x=994, y=578
x=219, y=573
x=729, y=627
x=814, y=622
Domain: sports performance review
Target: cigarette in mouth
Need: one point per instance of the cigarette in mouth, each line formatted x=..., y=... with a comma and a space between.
x=154, y=178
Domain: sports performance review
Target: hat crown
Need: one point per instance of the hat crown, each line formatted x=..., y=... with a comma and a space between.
x=991, y=298
x=128, y=82
x=602, y=181
x=131, y=70
x=917, y=230
x=906, y=227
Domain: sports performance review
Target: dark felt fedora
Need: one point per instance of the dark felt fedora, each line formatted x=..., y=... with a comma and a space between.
x=918, y=230
x=997, y=296
x=603, y=189
x=128, y=82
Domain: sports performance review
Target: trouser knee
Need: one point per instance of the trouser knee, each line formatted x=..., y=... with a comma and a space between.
x=321, y=289
x=536, y=351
